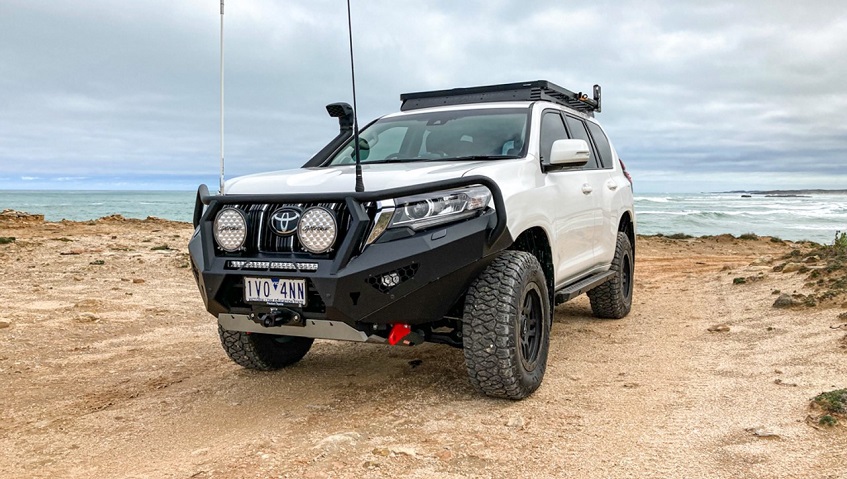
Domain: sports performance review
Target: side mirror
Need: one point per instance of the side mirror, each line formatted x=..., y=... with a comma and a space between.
x=569, y=153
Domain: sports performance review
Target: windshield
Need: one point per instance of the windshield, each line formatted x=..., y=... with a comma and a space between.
x=441, y=136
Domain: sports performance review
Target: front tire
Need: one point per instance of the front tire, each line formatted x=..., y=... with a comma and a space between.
x=506, y=327
x=613, y=299
x=263, y=352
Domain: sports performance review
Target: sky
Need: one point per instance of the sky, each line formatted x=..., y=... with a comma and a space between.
x=697, y=95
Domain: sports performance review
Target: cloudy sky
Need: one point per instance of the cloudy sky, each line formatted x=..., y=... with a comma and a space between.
x=698, y=95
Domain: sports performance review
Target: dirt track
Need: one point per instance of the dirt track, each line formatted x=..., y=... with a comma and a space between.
x=114, y=370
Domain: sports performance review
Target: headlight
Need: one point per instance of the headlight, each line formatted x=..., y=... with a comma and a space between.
x=317, y=230
x=426, y=210
x=230, y=229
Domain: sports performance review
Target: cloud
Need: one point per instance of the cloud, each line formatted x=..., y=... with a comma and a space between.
x=131, y=89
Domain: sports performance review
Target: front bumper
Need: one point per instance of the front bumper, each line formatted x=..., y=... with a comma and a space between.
x=432, y=268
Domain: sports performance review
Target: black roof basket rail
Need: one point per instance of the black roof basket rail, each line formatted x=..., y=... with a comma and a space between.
x=524, y=91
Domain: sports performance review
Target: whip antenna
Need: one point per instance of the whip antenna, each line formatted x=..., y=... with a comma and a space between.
x=360, y=185
x=222, y=97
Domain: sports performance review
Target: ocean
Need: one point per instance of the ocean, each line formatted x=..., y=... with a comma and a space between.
x=815, y=218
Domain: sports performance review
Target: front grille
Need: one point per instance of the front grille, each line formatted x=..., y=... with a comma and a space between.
x=261, y=239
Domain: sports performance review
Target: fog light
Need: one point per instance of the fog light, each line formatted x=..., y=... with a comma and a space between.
x=317, y=230
x=230, y=229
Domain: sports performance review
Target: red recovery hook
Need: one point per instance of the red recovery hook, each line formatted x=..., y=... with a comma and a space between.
x=403, y=334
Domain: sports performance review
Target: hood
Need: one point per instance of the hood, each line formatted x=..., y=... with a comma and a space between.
x=342, y=179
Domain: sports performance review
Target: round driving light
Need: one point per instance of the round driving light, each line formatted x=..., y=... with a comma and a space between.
x=317, y=230
x=230, y=229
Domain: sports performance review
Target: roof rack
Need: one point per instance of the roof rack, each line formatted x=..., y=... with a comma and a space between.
x=524, y=91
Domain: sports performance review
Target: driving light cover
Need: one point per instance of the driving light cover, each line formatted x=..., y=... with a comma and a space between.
x=317, y=230
x=230, y=229
x=429, y=209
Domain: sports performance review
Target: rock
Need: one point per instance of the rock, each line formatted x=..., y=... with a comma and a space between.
x=137, y=280
x=78, y=278
x=762, y=261
x=444, y=456
x=762, y=432
x=812, y=259
x=843, y=316
x=380, y=451
x=792, y=267
x=784, y=301
x=86, y=317
x=5, y=323
x=199, y=452
x=337, y=441
x=718, y=328
x=403, y=451
x=516, y=421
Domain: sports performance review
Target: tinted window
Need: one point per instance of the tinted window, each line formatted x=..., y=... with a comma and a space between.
x=602, y=143
x=552, y=129
x=578, y=131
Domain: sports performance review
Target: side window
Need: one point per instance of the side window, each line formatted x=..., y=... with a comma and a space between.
x=578, y=131
x=552, y=129
x=602, y=143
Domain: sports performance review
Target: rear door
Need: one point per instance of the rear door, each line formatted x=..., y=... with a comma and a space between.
x=596, y=179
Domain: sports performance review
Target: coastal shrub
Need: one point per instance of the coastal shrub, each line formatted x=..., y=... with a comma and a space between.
x=7, y=239
x=832, y=401
x=163, y=247
x=739, y=280
x=840, y=242
x=776, y=239
x=749, y=236
x=679, y=236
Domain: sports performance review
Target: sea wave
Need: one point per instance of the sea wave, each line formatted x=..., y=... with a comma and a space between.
x=653, y=199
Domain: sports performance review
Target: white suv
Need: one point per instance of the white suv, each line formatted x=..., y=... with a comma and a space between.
x=483, y=208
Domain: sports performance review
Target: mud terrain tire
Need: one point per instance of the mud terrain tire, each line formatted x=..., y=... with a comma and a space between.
x=613, y=299
x=263, y=352
x=506, y=327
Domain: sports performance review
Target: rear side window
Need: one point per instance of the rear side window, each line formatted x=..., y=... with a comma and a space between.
x=602, y=143
x=578, y=131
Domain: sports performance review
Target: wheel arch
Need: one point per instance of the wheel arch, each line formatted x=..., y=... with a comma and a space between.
x=627, y=225
x=536, y=242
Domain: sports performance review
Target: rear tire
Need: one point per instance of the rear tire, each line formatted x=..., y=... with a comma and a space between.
x=506, y=327
x=263, y=352
x=613, y=299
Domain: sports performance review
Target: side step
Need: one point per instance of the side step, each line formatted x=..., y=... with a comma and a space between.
x=572, y=291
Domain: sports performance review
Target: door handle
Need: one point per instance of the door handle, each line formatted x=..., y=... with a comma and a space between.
x=612, y=185
x=587, y=189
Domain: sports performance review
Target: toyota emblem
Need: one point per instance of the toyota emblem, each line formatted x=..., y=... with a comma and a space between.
x=284, y=221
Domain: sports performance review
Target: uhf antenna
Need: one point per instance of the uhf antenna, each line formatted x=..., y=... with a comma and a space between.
x=360, y=185
x=222, y=97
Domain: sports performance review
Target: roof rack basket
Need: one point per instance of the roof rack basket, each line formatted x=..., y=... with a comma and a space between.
x=524, y=91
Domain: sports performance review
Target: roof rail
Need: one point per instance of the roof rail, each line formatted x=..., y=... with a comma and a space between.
x=524, y=91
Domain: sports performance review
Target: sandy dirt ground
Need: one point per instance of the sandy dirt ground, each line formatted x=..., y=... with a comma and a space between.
x=111, y=367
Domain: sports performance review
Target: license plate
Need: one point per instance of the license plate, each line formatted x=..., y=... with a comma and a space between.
x=275, y=291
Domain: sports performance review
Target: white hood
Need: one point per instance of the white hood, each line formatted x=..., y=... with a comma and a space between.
x=342, y=179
